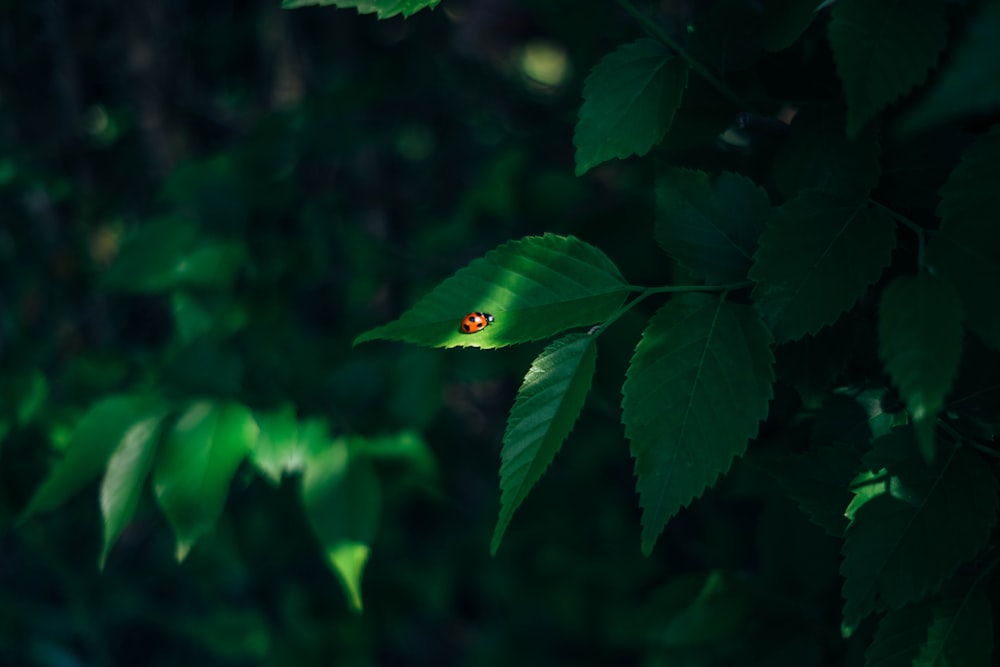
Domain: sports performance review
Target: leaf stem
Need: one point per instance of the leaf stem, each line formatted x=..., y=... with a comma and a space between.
x=665, y=289
x=657, y=31
x=912, y=226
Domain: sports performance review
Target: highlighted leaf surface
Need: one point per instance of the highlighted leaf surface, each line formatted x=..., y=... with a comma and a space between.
x=534, y=288
x=629, y=101
x=548, y=404
x=383, y=8
x=817, y=256
x=697, y=388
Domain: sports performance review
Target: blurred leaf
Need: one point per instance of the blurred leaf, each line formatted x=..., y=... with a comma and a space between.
x=967, y=250
x=384, y=8
x=709, y=226
x=883, y=48
x=125, y=478
x=206, y=365
x=900, y=637
x=727, y=35
x=168, y=253
x=32, y=391
x=717, y=611
x=95, y=437
x=548, y=404
x=196, y=463
x=920, y=341
x=406, y=447
x=278, y=449
x=343, y=500
x=198, y=314
x=785, y=20
x=534, y=287
x=816, y=154
x=970, y=82
x=629, y=101
x=962, y=630
x=697, y=388
x=816, y=258
x=905, y=541
x=234, y=634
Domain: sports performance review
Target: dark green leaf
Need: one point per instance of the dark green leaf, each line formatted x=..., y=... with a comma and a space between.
x=817, y=256
x=697, y=387
x=629, y=101
x=962, y=630
x=94, y=439
x=383, y=8
x=967, y=249
x=915, y=525
x=196, y=463
x=548, y=404
x=785, y=20
x=920, y=340
x=883, y=48
x=816, y=154
x=534, y=287
x=709, y=226
x=278, y=449
x=971, y=80
x=900, y=637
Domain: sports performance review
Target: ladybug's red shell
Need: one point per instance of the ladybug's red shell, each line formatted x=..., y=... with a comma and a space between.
x=474, y=322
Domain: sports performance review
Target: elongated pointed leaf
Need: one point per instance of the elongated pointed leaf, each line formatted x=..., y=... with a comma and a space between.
x=920, y=523
x=94, y=439
x=900, y=637
x=382, y=8
x=697, y=387
x=548, y=404
x=710, y=226
x=962, y=630
x=629, y=101
x=970, y=81
x=126, y=477
x=883, y=48
x=196, y=463
x=967, y=249
x=534, y=288
x=920, y=341
x=278, y=449
x=343, y=500
x=817, y=256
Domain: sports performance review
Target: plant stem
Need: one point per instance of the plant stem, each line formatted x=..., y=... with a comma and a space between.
x=657, y=31
x=665, y=289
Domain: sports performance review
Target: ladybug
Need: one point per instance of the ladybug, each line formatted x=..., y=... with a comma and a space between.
x=475, y=322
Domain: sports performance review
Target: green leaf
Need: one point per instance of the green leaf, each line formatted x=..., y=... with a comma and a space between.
x=94, y=439
x=967, y=250
x=168, y=254
x=883, y=48
x=343, y=499
x=629, y=101
x=125, y=478
x=710, y=226
x=534, y=287
x=917, y=528
x=278, y=449
x=817, y=256
x=548, y=404
x=196, y=463
x=816, y=154
x=697, y=387
x=785, y=20
x=920, y=341
x=962, y=630
x=900, y=637
x=383, y=8
x=970, y=82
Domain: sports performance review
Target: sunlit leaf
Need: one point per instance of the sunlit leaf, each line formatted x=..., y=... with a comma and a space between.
x=967, y=250
x=125, y=478
x=94, y=439
x=920, y=340
x=883, y=48
x=548, y=404
x=697, y=387
x=534, y=288
x=817, y=256
x=709, y=226
x=382, y=8
x=629, y=101
x=923, y=522
x=196, y=463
